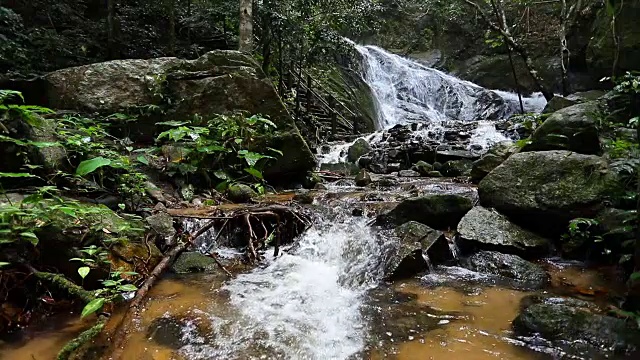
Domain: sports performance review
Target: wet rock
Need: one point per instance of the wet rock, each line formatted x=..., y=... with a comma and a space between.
x=455, y=168
x=545, y=190
x=304, y=197
x=437, y=166
x=448, y=155
x=346, y=169
x=167, y=331
x=419, y=248
x=311, y=180
x=357, y=212
x=387, y=181
x=572, y=128
x=359, y=148
x=320, y=187
x=193, y=262
x=578, y=331
x=363, y=178
x=438, y=211
x=162, y=224
x=557, y=103
x=423, y=167
x=483, y=166
x=408, y=173
x=434, y=174
x=485, y=229
x=155, y=192
x=187, y=192
x=240, y=193
x=509, y=266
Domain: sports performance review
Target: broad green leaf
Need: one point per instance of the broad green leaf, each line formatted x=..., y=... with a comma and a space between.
x=109, y=283
x=143, y=159
x=222, y=186
x=93, y=306
x=31, y=237
x=84, y=271
x=635, y=276
x=221, y=175
x=254, y=172
x=172, y=123
x=128, y=287
x=89, y=166
x=2, y=263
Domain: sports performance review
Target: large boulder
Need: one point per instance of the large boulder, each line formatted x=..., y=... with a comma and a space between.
x=360, y=147
x=511, y=267
x=437, y=211
x=547, y=189
x=219, y=82
x=419, y=247
x=494, y=157
x=572, y=128
x=485, y=229
x=455, y=168
x=577, y=330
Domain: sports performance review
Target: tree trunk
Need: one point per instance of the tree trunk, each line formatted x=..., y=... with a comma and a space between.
x=171, y=11
x=266, y=37
x=503, y=29
x=564, y=51
x=111, y=29
x=246, y=26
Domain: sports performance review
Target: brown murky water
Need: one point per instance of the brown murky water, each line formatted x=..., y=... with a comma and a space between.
x=479, y=331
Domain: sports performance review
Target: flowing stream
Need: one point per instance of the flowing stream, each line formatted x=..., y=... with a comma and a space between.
x=324, y=298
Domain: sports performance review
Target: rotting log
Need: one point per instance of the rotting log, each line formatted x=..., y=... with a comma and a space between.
x=82, y=339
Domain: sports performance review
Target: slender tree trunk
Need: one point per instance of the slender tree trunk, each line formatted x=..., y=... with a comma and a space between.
x=503, y=29
x=111, y=29
x=564, y=51
x=266, y=37
x=246, y=26
x=171, y=11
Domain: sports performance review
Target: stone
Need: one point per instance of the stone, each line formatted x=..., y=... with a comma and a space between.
x=168, y=331
x=387, y=181
x=311, y=180
x=579, y=332
x=573, y=128
x=240, y=193
x=423, y=167
x=485, y=229
x=162, y=224
x=419, y=247
x=483, y=166
x=545, y=190
x=447, y=155
x=512, y=267
x=434, y=174
x=363, y=178
x=455, y=168
x=360, y=147
x=556, y=103
x=194, y=262
x=408, y=173
x=304, y=197
x=437, y=211
x=218, y=82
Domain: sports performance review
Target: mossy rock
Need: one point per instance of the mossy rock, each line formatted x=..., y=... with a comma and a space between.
x=423, y=168
x=360, y=147
x=240, y=193
x=193, y=262
x=437, y=211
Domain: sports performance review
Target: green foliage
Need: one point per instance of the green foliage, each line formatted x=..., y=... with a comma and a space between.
x=28, y=113
x=582, y=230
x=88, y=166
x=222, y=147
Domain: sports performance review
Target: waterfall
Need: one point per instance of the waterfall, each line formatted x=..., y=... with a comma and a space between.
x=406, y=91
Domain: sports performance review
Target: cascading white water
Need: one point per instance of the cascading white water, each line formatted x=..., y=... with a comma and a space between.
x=306, y=304
x=407, y=91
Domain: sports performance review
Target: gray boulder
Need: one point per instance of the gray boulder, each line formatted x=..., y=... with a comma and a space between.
x=455, y=168
x=408, y=173
x=218, y=82
x=492, y=159
x=359, y=148
x=418, y=248
x=162, y=224
x=547, y=189
x=572, y=128
x=511, y=267
x=423, y=167
x=485, y=229
x=240, y=193
x=193, y=262
x=437, y=211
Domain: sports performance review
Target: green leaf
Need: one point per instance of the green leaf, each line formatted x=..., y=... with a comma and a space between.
x=84, y=271
x=109, y=283
x=128, y=287
x=16, y=175
x=31, y=237
x=635, y=276
x=89, y=166
x=172, y=123
x=222, y=186
x=221, y=175
x=93, y=306
x=122, y=206
x=2, y=263
x=254, y=172
x=143, y=159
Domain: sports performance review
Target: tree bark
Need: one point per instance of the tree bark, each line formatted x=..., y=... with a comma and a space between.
x=171, y=11
x=246, y=26
x=503, y=29
x=111, y=29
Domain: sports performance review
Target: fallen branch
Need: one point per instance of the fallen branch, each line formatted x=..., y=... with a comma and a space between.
x=63, y=283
